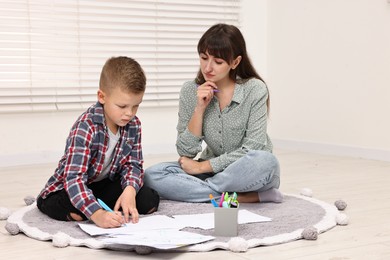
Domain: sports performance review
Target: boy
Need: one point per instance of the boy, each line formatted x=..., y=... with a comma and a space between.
x=103, y=156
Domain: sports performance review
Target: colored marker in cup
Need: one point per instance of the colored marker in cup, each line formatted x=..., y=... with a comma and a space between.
x=215, y=204
x=221, y=200
x=225, y=204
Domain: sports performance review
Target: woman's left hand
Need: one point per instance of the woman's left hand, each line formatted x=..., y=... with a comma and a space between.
x=193, y=167
x=127, y=201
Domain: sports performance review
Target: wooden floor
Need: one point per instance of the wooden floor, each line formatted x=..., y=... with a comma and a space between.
x=363, y=184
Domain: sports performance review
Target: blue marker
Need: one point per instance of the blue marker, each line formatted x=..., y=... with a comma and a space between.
x=104, y=205
x=215, y=204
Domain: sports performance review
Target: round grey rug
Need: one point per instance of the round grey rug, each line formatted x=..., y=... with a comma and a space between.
x=289, y=219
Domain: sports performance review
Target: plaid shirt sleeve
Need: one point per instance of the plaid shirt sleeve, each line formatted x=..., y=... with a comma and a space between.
x=78, y=155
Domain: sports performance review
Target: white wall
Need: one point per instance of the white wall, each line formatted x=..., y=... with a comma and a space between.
x=40, y=137
x=327, y=64
x=254, y=28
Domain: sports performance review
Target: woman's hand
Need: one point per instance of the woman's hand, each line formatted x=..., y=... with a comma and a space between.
x=126, y=201
x=193, y=167
x=205, y=93
x=107, y=219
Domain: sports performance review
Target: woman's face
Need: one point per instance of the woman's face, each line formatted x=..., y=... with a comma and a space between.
x=214, y=69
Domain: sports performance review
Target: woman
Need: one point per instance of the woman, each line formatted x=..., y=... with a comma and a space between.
x=225, y=107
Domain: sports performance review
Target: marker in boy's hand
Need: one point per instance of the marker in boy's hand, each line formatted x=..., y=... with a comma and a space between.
x=108, y=209
x=106, y=219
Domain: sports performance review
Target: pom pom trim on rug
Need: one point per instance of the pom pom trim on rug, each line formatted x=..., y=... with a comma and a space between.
x=12, y=228
x=342, y=219
x=310, y=233
x=340, y=204
x=238, y=245
x=307, y=192
x=61, y=240
x=4, y=213
x=29, y=200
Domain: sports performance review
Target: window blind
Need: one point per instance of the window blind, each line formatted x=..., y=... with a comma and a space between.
x=52, y=51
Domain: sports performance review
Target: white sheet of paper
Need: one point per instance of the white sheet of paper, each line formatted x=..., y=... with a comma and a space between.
x=159, y=223
x=206, y=220
x=245, y=216
x=144, y=224
x=162, y=239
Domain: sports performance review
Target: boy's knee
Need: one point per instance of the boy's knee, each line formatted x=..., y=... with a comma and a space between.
x=148, y=200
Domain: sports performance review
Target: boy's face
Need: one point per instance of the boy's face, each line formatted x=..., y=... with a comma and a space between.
x=119, y=107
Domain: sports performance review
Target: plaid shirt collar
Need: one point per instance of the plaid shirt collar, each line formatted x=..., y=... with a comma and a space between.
x=98, y=114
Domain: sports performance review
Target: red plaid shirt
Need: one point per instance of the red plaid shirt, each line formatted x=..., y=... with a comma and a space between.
x=83, y=159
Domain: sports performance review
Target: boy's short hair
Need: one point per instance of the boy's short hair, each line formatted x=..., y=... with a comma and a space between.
x=123, y=72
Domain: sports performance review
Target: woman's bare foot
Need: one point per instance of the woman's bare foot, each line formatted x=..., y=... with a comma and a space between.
x=248, y=197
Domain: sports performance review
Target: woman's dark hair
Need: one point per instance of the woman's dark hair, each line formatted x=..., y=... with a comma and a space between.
x=226, y=42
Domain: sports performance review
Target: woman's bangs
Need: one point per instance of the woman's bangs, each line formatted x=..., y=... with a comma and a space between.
x=217, y=47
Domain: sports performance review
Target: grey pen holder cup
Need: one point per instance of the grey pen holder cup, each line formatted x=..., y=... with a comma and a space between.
x=226, y=222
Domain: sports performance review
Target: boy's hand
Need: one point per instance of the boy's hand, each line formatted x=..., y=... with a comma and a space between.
x=126, y=201
x=107, y=219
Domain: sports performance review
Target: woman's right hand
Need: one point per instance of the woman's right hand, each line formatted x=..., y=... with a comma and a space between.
x=205, y=93
x=105, y=219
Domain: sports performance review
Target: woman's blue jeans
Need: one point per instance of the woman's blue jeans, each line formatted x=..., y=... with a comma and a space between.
x=256, y=171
